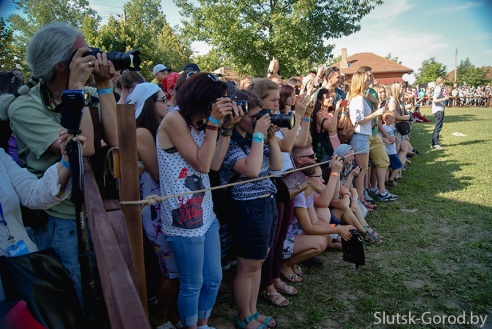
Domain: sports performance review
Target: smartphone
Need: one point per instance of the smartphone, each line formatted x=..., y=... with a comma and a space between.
x=382, y=103
x=344, y=103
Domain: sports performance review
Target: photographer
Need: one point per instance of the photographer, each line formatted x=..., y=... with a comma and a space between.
x=57, y=55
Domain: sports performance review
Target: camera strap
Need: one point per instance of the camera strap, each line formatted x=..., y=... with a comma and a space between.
x=48, y=100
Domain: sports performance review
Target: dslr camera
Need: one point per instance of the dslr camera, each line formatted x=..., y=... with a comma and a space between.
x=287, y=120
x=239, y=102
x=73, y=103
x=121, y=61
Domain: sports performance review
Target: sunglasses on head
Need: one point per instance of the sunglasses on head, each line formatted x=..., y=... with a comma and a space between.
x=311, y=156
x=213, y=78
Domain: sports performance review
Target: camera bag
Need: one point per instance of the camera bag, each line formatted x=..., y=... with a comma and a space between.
x=290, y=185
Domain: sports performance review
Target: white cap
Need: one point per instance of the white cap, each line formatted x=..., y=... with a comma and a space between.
x=140, y=94
x=159, y=68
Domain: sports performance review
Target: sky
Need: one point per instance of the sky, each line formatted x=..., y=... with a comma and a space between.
x=413, y=31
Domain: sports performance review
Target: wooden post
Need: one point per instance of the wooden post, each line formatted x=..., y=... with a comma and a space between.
x=130, y=191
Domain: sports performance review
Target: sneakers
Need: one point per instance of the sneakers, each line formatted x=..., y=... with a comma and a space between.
x=390, y=183
x=167, y=325
x=387, y=197
x=367, y=197
x=373, y=190
x=437, y=147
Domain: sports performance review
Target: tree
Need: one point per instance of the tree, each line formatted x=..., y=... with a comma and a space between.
x=39, y=12
x=394, y=59
x=429, y=71
x=10, y=56
x=249, y=33
x=144, y=27
x=471, y=75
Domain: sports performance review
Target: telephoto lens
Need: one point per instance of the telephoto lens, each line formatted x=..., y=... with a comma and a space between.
x=121, y=61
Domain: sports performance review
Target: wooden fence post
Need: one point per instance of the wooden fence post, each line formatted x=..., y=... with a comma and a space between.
x=130, y=191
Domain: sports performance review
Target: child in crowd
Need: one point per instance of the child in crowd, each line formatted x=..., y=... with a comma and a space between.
x=395, y=162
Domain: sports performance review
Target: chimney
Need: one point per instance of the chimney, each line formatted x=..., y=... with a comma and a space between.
x=344, y=63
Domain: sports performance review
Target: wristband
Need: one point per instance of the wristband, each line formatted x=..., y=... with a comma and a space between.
x=213, y=120
x=305, y=119
x=211, y=127
x=65, y=164
x=258, y=140
x=225, y=132
x=343, y=112
x=333, y=173
x=105, y=91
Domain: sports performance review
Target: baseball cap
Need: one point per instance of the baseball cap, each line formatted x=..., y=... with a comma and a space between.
x=191, y=67
x=140, y=94
x=342, y=150
x=159, y=68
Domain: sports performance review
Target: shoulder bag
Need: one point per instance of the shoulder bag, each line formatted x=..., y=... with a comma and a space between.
x=346, y=128
x=290, y=185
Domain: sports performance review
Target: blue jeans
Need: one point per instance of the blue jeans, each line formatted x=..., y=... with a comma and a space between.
x=200, y=273
x=61, y=235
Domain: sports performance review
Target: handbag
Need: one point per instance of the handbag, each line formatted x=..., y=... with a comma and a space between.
x=321, y=143
x=403, y=127
x=346, y=128
x=290, y=185
x=353, y=251
x=40, y=279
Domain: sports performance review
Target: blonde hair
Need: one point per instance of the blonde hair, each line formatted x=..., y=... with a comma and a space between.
x=262, y=86
x=357, y=85
x=396, y=90
x=440, y=80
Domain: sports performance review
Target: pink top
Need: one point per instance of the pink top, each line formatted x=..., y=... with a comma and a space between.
x=335, y=141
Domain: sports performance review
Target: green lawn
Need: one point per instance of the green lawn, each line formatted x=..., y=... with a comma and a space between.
x=437, y=254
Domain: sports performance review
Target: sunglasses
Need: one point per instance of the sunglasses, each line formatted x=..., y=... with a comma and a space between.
x=311, y=156
x=213, y=78
x=161, y=99
x=189, y=74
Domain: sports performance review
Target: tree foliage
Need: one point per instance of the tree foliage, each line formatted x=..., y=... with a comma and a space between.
x=394, y=59
x=471, y=75
x=429, y=71
x=10, y=55
x=143, y=26
x=249, y=33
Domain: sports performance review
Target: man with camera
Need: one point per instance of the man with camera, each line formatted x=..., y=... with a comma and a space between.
x=60, y=57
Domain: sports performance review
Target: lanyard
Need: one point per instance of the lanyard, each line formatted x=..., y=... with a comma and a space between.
x=4, y=222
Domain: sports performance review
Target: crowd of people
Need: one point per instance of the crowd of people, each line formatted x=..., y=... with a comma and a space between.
x=459, y=96
x=194, y=131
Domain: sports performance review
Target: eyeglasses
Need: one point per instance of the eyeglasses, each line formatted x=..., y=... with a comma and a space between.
x=311, y=156
x=161, y=99
x=316, y=176
x=213, y=78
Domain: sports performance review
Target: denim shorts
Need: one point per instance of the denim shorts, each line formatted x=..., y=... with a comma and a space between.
x=360, y=143
x=256, y=225
x=395, y=162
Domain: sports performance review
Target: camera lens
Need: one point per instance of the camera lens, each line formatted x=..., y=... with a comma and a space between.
x=121, y=61
x=244, y=105
x=286, y=120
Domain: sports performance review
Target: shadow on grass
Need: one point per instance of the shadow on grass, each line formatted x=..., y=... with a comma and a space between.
x=436, y=257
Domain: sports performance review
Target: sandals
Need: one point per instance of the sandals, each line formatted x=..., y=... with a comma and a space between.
x=267, y=320
x=365, y=239
x=285, y=288
x=275, y=298
x=239, y=324
x=297, y=269
x=369, y=206
x=375, y=236
x=294, y=278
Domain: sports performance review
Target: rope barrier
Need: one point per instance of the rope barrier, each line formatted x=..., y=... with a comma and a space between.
x=151, y=199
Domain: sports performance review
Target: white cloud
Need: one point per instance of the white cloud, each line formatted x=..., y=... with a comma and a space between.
x=460, y=8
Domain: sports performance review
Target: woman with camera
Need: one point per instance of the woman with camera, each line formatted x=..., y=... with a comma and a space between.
x=253, y=152
x=268, y=92
x=187, y=148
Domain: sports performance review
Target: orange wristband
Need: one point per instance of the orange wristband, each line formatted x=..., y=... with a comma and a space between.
x=333, y=173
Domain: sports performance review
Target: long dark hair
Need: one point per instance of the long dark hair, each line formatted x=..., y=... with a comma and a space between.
x=198, y=92
x=285, y=92
x=317, y=106
x=148, y=118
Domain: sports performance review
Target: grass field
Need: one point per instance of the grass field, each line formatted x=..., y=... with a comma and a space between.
x=437, y=254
